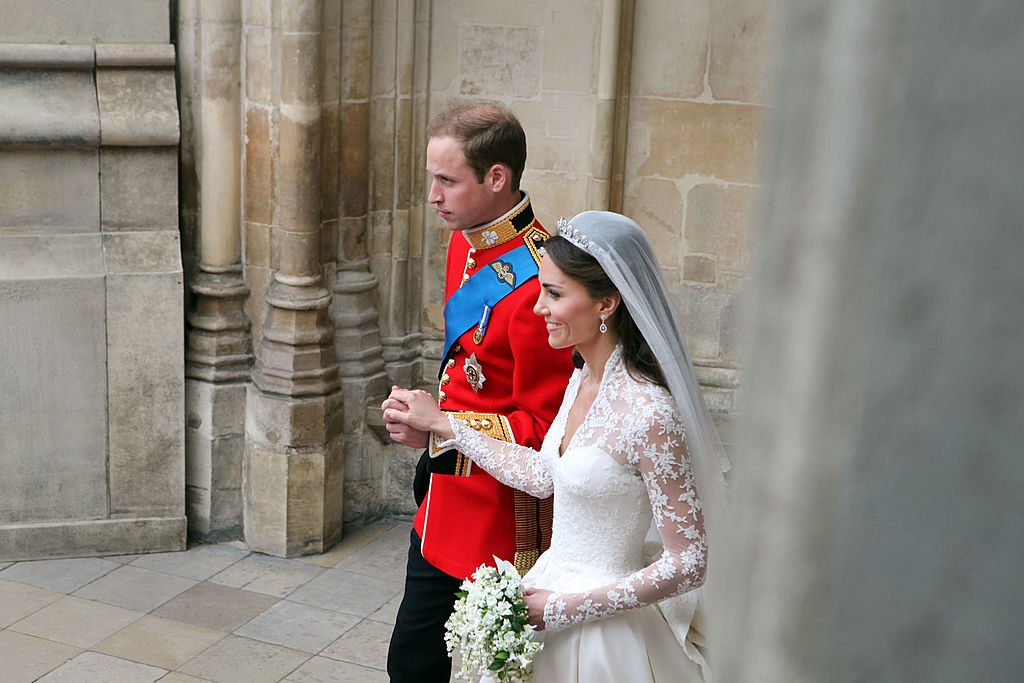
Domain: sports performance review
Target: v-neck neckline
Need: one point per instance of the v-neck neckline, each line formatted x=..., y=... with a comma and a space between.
x=565, y=444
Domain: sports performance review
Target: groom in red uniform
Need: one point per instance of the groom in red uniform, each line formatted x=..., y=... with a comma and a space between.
x=498, y=372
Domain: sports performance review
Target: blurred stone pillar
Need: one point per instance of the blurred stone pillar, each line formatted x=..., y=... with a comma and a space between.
x=218, y=356
x=878, y=480
x=293, y=469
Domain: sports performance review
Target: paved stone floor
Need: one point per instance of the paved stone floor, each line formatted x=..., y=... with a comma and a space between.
x=212, y=613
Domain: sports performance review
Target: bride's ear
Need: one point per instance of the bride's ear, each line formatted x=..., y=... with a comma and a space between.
x=609, y=304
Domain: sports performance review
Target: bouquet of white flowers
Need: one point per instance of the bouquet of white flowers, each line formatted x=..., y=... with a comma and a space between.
x=490, y=626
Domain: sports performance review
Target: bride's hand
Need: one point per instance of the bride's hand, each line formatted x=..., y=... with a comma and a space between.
x=403, y=433
x=421, y=412
x=536, y=599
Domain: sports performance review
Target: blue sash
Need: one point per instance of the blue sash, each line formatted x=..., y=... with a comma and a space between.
x=487, y=287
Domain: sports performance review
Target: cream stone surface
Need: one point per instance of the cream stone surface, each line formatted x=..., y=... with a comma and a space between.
x=49, y=107
x=64, y=429
x=659, y=208
x=718, y=222
x=742, y=33
x=567, y=44
x=499, y=61
x=146, y=401
x=678, y=138
x=49, y=191
x=670, y=46
x=137, y=106
x=84, y=21
x=139, y=188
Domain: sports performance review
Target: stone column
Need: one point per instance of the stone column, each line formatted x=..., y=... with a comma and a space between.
x=878, y=478
x=293, y=469
x=218, y=356
x=354, y=314
x=397, y=146
x=611, y=107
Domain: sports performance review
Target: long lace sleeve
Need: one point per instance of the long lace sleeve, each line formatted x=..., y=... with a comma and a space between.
x=511, y=464
x=657, y=450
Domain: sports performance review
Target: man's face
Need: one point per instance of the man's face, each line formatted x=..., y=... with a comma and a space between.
x=462, y=202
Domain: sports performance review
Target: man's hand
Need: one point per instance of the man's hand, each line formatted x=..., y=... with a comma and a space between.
x=401, y=432
x=416, y=410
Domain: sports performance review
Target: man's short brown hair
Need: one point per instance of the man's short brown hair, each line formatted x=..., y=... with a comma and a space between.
x=488, y=134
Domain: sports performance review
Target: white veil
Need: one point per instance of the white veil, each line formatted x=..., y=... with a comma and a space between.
x=625, y=254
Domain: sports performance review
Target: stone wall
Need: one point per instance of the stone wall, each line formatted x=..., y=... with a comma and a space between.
x=91, y=433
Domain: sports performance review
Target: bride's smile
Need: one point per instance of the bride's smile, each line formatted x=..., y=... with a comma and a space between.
x=572, y=317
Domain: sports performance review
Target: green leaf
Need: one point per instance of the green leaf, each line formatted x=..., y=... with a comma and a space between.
x=461, y=594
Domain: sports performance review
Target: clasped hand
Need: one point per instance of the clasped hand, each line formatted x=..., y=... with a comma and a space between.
x=411, y=414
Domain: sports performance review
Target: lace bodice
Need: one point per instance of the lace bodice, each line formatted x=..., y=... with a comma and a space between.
x=626, y=462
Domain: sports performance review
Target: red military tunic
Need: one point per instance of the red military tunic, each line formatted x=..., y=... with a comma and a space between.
x=508, y=383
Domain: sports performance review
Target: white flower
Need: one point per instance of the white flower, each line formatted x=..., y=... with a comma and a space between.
x=489, y=237
x=506, y=567
x=489, y=625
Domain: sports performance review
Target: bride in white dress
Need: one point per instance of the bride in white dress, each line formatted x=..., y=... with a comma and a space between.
x=632, y=442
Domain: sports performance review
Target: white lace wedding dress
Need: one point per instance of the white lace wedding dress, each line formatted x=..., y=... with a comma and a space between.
x=612, y=616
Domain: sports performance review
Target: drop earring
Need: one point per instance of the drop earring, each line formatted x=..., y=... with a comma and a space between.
x=603, y=328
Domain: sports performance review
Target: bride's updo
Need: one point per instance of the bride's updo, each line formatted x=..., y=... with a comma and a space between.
x=584, y=268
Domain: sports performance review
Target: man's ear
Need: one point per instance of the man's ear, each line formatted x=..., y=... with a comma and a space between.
x=499, y=177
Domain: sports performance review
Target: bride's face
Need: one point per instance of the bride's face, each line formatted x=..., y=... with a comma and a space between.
x=572, y=317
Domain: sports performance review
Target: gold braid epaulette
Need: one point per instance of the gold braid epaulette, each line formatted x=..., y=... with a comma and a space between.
x=534, y=238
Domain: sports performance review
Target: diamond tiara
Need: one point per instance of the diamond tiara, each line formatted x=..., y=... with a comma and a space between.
x=573, y=234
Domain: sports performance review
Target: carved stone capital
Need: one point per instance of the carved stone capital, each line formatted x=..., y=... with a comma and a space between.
x=296, y=356
x=219, y=341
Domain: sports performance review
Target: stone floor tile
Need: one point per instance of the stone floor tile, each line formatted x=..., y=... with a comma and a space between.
x=348, y=592
x=297, y=626
x=63, y=576
x=366, y=644
x=26, y=658
x=241, y=660
x=160, y=642
x=379, y=558
x=5, y=565
x=324, y=670
x=178, y=677
x=123, y=559
x=93, y=667
x=218, y=607
x=18, y=600
x=350, y=544
x=389, y=612
x=199, y=562
x=75, y=621
x=269, y=575
x=398, y=534
x=142, y=590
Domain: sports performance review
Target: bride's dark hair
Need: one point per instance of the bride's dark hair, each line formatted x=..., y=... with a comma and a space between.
x=584, y=268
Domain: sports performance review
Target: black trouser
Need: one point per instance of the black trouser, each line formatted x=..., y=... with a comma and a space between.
x=417, y=653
